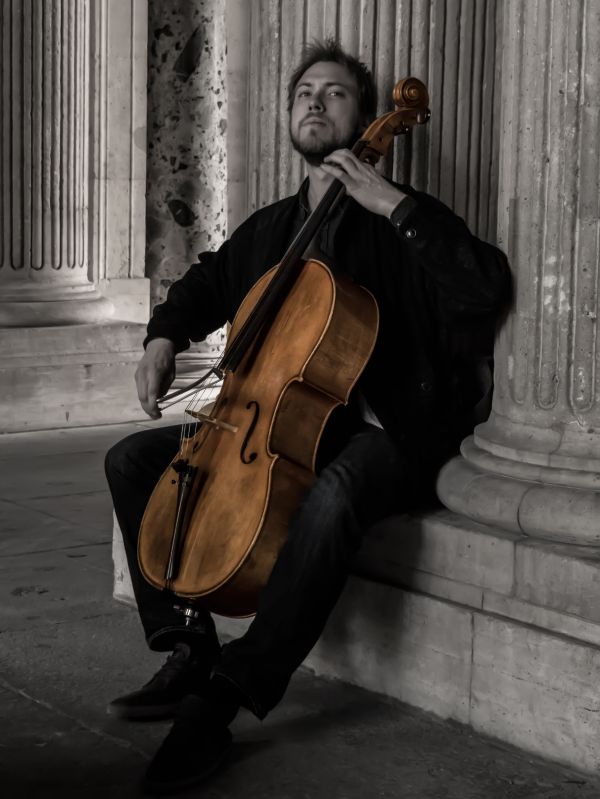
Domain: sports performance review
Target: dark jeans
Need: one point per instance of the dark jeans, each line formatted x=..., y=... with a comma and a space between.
x=367, y=480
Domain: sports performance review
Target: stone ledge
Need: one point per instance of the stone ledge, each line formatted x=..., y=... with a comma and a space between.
x=34, y=345
x=444, y=544
x=544, y=618
x=409, y=646
x=471, y=596
x=445, y=555
x=78, y=375
x=559, y=576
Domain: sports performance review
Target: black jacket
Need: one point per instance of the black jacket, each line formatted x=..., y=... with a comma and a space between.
x=439, y=289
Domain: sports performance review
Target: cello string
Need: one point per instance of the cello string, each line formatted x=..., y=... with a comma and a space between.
x=197, y=401
x=196, y=394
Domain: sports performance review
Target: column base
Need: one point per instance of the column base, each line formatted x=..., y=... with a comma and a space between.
x=539, y=501
x=74, y=307
x=130, y=298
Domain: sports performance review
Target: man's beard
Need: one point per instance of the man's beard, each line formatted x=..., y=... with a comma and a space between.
x=315, y=150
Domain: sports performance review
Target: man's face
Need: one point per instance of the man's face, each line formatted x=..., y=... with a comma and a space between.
x=325, y=114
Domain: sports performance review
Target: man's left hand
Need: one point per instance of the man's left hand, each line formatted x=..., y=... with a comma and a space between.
x=363, y=183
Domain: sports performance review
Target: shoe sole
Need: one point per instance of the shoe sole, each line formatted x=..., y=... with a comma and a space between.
x=166, y=788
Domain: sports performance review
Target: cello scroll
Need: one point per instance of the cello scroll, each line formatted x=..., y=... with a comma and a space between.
x=412, y=100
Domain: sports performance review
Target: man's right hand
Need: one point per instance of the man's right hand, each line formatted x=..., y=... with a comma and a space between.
x=155, y=373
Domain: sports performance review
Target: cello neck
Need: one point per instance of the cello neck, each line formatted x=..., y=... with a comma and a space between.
x=312, y=226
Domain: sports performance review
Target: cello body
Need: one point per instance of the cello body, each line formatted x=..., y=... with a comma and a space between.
x=255, y=460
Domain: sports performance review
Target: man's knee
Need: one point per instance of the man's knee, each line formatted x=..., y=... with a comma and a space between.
x=122, y=457
x=143, y=456
x=327, y=518
x=334, y=487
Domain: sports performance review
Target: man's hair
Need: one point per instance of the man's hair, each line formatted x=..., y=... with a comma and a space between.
x=330, y=50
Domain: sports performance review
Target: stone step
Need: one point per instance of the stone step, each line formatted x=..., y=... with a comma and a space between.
x=473, y=624
x=525, y=685
x=554, y=586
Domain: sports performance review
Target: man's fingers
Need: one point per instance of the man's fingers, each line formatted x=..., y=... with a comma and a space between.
x=154, y=392
x=343, y=154
x=147, y=389
x=336, y=171
x=346, y=160
x=352, y=180
x=141, y=385
x=154, y=375
x=362, y=182
x=151, y=408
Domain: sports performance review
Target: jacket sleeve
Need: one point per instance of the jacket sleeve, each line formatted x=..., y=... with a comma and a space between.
x=196, y=304
x=204, y=298
x=470, y=277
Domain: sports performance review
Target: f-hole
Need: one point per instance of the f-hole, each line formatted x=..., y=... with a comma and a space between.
x=252, y=455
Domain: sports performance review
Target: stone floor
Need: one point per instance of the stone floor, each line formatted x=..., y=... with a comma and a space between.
x=66, y=648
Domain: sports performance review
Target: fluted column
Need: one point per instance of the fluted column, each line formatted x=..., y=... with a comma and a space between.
x=534, y=466
x=44, y=165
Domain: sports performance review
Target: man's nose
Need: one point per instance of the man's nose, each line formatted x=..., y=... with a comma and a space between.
x=316, y=103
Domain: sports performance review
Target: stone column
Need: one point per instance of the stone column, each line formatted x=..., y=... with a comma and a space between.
x=187, y=153
x=44, y=165
x=534, y=466
x=73, y=296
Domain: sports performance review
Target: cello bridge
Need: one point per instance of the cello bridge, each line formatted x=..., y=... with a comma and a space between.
x=218, y=424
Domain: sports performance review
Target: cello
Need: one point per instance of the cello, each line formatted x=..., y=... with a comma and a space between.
x=218, y=516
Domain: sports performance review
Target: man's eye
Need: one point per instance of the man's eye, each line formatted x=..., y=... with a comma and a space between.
x=303, y=93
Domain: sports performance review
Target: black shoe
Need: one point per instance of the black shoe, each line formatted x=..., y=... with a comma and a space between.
x=183, y=673
x=194, y=749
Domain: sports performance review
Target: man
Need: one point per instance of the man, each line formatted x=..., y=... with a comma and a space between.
x=435, y=284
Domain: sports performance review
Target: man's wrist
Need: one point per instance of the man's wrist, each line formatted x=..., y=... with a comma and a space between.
x=161, y=343
x=395, y=202
x=391, y=199
x=401, y=211
x=401, y=199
